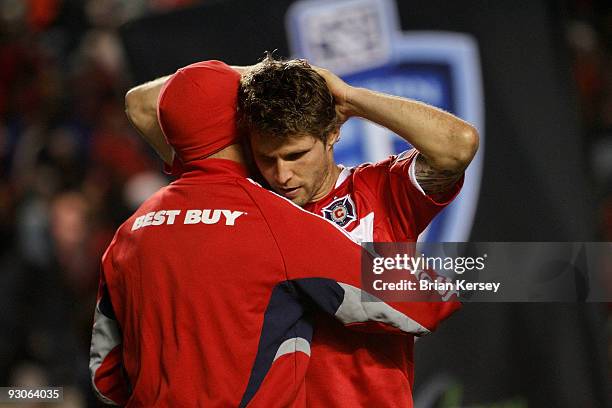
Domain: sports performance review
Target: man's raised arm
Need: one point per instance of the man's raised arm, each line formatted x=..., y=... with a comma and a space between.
x=141, y=110
x=446, y=143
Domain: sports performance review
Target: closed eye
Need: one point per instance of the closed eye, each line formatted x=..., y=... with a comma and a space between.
x=295, y=156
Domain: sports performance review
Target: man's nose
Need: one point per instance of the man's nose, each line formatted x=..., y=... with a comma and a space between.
x=283, y=172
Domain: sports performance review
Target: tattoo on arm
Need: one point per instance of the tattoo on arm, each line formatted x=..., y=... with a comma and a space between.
x=434, y=181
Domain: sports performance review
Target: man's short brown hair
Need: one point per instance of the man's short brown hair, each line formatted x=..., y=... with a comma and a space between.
x=286, y=98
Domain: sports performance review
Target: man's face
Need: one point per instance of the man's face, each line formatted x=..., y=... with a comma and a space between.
x=299, y=168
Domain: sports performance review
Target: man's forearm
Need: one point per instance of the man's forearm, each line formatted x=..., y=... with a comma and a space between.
x=141, y=109
x=447, y=142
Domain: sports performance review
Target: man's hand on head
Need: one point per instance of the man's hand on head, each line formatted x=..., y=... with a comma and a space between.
x=448, y=142
x=340, y=90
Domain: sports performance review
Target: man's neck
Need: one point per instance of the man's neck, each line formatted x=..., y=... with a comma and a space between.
x=232, y=152
x=329, y=183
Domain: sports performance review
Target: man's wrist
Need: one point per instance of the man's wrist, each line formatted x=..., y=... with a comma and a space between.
x=353, y=102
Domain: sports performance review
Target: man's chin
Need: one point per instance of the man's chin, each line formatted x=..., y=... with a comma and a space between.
x=300, y=201
x=298, y=198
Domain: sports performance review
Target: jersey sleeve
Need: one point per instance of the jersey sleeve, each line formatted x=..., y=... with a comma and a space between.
x=105, y=356
x=409, y=206
x=324, y=266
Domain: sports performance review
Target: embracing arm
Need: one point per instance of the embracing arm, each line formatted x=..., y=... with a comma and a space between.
x=446, y=143
x=141, y=110
x=106, y=368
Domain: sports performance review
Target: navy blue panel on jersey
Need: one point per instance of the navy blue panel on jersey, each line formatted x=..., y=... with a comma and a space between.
x=285, y=318
x=105, y=306
x=325, y=293
x=288, y=316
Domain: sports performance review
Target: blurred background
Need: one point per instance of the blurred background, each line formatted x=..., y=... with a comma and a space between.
x=72, y=169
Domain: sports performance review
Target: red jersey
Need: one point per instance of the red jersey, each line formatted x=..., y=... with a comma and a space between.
x=206, y=295
x=379, y=202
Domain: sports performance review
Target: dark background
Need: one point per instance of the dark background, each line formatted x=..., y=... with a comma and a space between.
x=72, y=170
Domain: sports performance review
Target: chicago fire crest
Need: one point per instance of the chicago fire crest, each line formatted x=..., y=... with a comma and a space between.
x=341, y=211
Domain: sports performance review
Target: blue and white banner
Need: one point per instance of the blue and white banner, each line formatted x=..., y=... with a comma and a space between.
x=344, y=36
x=361, y=41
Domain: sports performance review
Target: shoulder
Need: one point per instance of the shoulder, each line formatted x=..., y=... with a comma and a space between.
x=377, y=175
x=385, y=166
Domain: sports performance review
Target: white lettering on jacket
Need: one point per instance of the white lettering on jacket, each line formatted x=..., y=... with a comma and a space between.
x=167, y=217
x=155, y=218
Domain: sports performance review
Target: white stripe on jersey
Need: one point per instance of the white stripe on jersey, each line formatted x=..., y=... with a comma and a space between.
x=364, y=232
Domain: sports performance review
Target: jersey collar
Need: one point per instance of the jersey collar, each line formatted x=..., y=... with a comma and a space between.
x=346, y=171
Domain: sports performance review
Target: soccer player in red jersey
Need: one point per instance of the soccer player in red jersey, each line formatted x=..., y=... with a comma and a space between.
x=293, y=113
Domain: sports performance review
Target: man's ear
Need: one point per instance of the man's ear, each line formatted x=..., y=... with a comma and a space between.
x=333, y=138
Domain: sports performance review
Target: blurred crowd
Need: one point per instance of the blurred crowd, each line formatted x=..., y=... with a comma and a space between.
x=72, y=169
x=589, y=36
